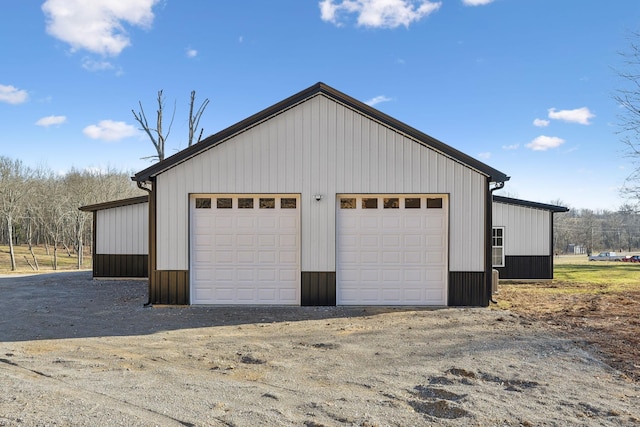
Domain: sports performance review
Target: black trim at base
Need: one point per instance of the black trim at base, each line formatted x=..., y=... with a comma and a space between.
x=318, y=288
x=467, y=288
x=120, y=265
x=169, y=287
x=527, y=267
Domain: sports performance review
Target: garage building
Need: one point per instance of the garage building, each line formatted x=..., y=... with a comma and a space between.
x=320, y=199
x=523, y=238
x=120, y=238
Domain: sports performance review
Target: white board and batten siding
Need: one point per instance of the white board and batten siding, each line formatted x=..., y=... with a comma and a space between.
x=123, y=230
x=321, y=147
x=527, y=230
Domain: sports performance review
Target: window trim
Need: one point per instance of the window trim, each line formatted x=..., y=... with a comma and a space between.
x=494, y=246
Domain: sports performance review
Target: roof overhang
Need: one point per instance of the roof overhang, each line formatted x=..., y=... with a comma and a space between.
x=147, y=174
x=115, y=204
x=529, y=204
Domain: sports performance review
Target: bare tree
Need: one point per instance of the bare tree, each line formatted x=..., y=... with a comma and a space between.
x=14, y=177
x=194, y=119
x=155, y=134
x=628, y=98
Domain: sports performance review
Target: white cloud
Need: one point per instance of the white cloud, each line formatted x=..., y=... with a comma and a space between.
x=377, y=13
x=511, y=147
x=377, y=100
x=192, y=53
x=579, y=115
x=544, y=143
x=13, y=95
x=109, y=130
x=93, y=65
x=476, y=2
x=97, y=25
x=541, y=123
x=486, y=155
x=51, y=120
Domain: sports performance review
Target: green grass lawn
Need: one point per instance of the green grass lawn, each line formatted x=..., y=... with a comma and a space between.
x=608, y=276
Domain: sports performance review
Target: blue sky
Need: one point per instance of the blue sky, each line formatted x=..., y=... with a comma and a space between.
x=524, y=85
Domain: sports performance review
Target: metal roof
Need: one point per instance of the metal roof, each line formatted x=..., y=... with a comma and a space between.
x=115, y=204
x=528, y=204
x=318, y=88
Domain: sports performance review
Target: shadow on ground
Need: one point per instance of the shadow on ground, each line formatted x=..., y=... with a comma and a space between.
x=73, y=305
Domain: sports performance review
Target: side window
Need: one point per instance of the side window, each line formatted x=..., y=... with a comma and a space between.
x=497, y=247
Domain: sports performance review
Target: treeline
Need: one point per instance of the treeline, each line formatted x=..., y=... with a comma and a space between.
x=40, y=207
x=587, y=231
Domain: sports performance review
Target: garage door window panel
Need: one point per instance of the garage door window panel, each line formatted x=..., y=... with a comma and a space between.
x=369, y=203
x=245, y=203
x=224, y=203
x=267, y=203
x=412, y=203
x=203, y=203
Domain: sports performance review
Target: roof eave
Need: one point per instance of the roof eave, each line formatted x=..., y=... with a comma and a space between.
x=115, y=204
x=146, y=174
x=529, y=204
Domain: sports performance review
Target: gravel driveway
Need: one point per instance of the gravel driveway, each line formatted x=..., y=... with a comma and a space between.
x=77, y=351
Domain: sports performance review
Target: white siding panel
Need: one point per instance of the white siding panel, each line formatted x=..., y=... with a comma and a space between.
x=123, y=230
x=527, y=230
x=322, y=147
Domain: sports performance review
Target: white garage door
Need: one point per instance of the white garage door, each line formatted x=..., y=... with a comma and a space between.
x=391, y=250
x=245, y=249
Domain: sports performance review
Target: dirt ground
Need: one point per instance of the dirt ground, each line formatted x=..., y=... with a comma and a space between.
x=74, y=351
x=607, y=322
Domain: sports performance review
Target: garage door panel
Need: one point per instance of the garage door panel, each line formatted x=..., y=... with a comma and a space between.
x=287, y=296
x=246, y=255
x=287, y=275
x=244, y=275
x=434, y=258
x=242, y=222
x=370, y=295
x=369, y=257
x=390, y=223
x=288, y=241
x=389, y=257
x=246, y=295
x=221, y=222
x=221, y=257
x=391, y=241
x=287, y=257
x=395, y=256
x=393, y=275
x=223, y=240
x=371, y=223
x=393, y=296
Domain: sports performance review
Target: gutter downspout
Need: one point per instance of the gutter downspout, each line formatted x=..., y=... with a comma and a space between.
x=498, y=186
x=148, y=190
